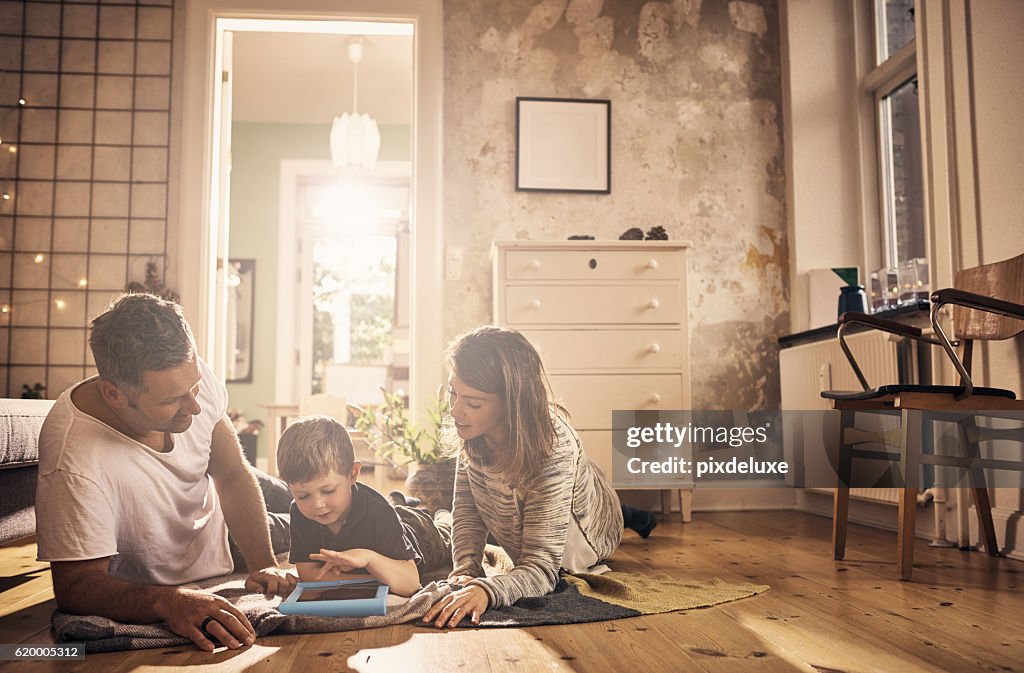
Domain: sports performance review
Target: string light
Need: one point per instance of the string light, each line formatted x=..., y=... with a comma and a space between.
x=6, y=308
x=81, y=283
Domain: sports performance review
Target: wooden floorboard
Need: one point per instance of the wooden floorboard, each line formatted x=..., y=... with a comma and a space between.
x=961, y=612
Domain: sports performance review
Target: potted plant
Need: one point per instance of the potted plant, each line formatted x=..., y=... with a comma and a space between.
x=393, y=436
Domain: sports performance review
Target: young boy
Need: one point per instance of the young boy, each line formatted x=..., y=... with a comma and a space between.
x=341, y=527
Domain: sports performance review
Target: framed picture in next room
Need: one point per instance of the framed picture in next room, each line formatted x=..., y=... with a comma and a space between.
x=563, y=145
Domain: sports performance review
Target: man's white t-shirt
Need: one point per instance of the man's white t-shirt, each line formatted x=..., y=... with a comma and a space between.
x=101, y=493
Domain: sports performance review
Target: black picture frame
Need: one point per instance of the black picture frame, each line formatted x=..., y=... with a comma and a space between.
x=242, y=308
x=563, y=145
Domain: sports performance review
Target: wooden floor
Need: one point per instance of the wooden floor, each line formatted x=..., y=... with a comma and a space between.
x=962, y=612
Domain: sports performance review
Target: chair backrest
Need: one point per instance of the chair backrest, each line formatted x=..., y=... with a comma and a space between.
x=1000, y=280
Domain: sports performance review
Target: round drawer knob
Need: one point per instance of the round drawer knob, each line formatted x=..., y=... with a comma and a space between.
x=535, y=303
x=654, y=399
x=654, y=303
x=535, y=264
x=654, y=348
x=653, y=264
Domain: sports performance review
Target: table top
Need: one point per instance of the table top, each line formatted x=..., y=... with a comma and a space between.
x=913, y=314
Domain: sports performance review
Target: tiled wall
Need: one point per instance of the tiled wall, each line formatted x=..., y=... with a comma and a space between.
x=84, y=118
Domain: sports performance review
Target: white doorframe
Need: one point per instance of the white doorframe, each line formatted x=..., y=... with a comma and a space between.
x=194, y=266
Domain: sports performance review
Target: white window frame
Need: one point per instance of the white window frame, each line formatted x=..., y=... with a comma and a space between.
x=877, y=83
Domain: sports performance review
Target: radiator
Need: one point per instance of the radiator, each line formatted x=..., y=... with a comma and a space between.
x=886, y=496
x=808, y=369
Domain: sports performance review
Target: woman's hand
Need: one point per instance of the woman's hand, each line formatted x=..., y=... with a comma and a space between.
x=471, y=601
x=341, y=561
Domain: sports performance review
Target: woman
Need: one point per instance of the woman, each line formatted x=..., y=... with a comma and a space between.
x=521, y=477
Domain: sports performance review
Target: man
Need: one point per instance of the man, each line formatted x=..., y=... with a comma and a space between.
x=141, y=477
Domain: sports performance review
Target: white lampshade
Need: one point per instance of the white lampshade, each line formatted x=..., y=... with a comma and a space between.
x=355, y=140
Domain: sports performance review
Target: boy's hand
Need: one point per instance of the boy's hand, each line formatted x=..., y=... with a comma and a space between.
x=271, y=581
x=341, y=561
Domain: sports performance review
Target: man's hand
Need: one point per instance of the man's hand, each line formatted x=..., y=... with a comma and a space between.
x=186, y=613
x=471, y=601
x=271, y=581
x=341, y=561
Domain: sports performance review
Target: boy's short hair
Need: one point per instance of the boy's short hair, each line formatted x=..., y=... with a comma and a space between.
x=313, y=446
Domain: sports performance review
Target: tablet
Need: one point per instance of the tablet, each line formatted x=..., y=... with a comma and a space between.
x=339, y=598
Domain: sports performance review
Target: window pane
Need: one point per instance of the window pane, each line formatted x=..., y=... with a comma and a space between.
x=903, y=195
x=353, y=301
x=894, y=26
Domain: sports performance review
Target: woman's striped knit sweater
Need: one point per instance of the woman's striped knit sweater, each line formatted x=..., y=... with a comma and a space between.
x=532, y=523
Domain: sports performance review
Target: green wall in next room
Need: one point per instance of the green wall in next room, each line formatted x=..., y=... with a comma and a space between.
x=257, y=150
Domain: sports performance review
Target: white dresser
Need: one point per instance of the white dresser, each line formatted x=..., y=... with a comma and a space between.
x=609, y=320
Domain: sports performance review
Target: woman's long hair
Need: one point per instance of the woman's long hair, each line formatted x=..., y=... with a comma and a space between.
x=502, y=362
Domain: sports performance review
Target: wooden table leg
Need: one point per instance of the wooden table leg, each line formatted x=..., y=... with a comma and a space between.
x=686, y=505
x=666, y=504
x=275, y=423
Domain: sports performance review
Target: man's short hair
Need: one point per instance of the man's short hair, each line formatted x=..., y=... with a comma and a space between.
x=313, y=446
x=138, y=333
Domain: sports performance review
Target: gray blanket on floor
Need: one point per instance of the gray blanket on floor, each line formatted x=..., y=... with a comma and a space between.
x=100, y=634
x=576, y=599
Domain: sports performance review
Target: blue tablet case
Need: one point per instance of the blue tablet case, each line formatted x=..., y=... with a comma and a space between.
x=348, y=607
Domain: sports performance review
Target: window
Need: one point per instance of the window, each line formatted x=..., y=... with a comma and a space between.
x=350, y=232
x=894, y=27
x=901, y=181
x=893, y=83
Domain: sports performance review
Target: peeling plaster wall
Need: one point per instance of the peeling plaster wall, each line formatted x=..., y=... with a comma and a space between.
x=696, y=148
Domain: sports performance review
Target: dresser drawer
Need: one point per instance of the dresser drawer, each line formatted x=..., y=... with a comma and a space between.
x=608, y=349
x=593, y=265
x=590, y=399
x=598, y=304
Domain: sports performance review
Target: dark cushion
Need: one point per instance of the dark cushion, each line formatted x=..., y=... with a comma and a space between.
x=17, y=507
x=20, y=421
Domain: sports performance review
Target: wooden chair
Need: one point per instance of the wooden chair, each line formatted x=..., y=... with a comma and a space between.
x=988, y=304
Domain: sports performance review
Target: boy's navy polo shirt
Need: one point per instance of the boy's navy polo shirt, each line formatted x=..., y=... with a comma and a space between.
x=372, y=523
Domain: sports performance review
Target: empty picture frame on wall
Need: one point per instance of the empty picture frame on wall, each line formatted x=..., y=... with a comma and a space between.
x=563, y=145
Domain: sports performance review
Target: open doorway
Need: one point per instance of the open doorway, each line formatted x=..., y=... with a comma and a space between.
x=331, y=279
x=280, y=376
